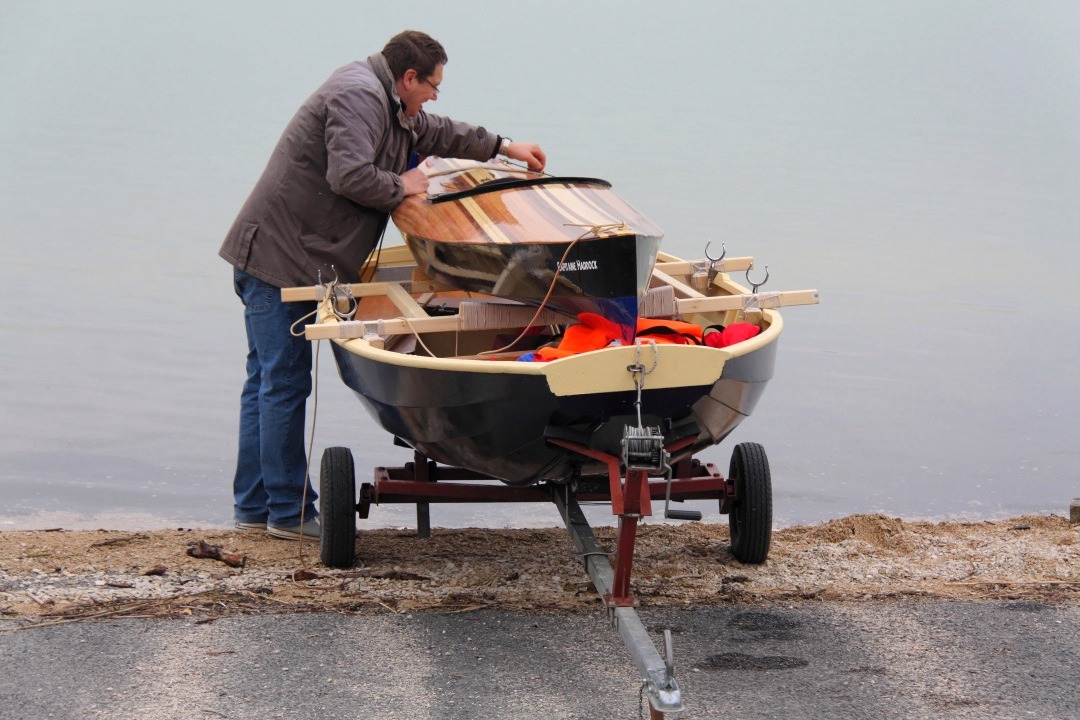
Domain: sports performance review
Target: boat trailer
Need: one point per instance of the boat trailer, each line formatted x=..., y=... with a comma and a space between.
x=630, y=486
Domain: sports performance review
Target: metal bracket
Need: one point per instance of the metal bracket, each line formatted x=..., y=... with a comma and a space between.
x=715, y=264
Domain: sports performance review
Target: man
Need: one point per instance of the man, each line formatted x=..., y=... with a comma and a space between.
x=319, y=208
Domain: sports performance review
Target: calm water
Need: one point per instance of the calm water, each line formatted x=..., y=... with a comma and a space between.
x=917, y=162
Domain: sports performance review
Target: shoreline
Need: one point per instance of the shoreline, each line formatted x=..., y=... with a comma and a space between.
x=66, y=575
x=141, y=522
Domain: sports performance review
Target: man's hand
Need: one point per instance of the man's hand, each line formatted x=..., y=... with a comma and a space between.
x=414, y=181
x=528, y=153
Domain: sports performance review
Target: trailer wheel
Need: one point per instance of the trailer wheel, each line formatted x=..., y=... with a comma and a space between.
x=337, y=490
x=750, y=519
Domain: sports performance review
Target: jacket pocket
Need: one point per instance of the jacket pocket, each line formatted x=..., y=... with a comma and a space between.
x=247, y=237
x=256, y=295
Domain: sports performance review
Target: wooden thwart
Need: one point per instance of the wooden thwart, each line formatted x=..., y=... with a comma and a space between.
x=359, y=290
x=688, y=267
x=501, y=317
x=786, y=298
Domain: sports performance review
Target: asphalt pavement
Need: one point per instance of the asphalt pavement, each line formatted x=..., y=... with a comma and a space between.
x=871, y=659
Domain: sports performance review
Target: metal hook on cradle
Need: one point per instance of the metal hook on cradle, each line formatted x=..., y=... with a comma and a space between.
x=339, y=293
x=344, y=293
x=750, y=302
x=715, y=263
x=755, y=285
x=723, y=247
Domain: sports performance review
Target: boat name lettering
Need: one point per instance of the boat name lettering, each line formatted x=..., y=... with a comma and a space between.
x=578, y=265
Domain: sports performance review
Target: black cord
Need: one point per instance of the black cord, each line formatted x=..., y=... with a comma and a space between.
x=374, y=267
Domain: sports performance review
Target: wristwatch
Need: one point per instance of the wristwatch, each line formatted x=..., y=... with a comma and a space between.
x=504, y=145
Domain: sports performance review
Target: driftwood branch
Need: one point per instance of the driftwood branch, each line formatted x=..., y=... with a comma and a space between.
x=203, y=549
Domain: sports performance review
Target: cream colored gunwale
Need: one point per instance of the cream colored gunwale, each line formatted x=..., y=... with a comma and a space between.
x=593, y=372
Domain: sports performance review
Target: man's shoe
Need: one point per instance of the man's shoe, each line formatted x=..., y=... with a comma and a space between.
x=250, y=525
x=310, y=530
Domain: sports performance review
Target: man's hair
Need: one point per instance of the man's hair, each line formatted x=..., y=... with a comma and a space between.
x=416, y=50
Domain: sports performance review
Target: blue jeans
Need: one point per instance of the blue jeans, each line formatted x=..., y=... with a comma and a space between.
x=271, y=466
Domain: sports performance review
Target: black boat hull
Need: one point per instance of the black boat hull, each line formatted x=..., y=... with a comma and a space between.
x=496, y=423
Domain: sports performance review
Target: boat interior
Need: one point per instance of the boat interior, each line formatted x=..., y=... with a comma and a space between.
x=400, y=309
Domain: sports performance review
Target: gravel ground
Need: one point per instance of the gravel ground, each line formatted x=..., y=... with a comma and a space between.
x=63, y=576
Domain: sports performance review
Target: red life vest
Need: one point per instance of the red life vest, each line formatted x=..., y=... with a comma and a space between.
x=733, y=333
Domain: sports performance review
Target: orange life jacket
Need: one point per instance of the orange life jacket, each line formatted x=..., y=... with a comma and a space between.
x=673, y=332
x=591, y=333
x=594, y=332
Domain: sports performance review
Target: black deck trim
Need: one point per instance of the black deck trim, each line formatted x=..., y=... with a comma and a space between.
x=514, y=183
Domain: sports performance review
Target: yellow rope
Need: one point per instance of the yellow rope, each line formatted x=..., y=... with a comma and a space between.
x=417, y=335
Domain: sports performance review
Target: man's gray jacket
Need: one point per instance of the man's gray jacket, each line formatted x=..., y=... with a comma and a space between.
x=325, y=196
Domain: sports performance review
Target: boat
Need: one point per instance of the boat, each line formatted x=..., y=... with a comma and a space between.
x=422, y=357
x=569, y=243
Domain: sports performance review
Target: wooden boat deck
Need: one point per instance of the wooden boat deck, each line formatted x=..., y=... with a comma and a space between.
x=549, y=210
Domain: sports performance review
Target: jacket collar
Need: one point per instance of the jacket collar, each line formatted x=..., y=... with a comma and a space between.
x=382, y=71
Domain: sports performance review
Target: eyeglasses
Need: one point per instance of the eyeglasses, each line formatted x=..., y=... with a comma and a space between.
x=431, y=85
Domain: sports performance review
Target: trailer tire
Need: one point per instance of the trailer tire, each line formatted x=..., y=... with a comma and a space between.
x=337, y=491
x=750, y=519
